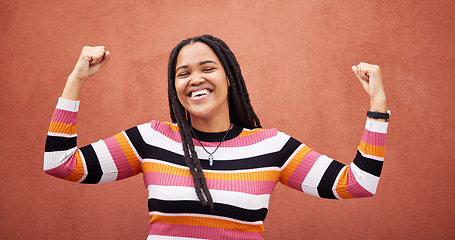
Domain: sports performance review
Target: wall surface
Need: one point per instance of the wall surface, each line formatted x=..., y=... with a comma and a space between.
x=296, y=58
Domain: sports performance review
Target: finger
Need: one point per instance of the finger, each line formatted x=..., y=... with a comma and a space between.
x=106, y=58
x=96, y=56
x=355, y=70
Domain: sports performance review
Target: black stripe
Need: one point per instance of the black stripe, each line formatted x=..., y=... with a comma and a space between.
x=328, y=180
x=93, y=165
x=288, y=149
x=54, y=143
x=368, y=165
x=136, y=139
x=195, y=207
x=275, y=159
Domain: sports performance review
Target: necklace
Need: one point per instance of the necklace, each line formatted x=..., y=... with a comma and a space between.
x=211, y=153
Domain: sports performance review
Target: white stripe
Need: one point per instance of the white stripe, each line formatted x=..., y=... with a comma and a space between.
x=292, y=156
x=238, y=199
x=315, y=174
x=205, y=216
x=266, y=146
x=381, y=159
x=56, y=134
x=108, y=167
x=68, y=105
x=269, y=145
x=160, y=237
x=376, y=126
x=366, y=180
x=57, y=158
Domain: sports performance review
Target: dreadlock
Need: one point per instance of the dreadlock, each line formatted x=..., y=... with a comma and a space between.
x=240, y=110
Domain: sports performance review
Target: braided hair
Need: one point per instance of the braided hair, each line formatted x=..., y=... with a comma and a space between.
x=240, y=110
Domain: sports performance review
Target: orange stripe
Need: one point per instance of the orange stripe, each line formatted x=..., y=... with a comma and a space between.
x=341, y=185
x=57, y=127
x=293, y=164
x=207, y=222
x=78, y=172
x=244, y=176
x=249, y=133
x=172, y=126
x=135, y=163
x=377, y=151
x=162, y=168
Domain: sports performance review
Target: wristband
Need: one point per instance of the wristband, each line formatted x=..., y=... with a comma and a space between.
x=379, y=115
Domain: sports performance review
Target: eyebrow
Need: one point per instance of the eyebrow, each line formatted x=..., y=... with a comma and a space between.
x=201, y=63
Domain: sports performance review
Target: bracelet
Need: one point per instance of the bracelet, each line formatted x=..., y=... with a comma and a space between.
x=379, y=115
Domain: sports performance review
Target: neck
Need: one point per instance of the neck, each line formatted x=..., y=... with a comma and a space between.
x=211, y=125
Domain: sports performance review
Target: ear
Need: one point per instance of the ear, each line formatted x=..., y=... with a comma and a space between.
x=228, y=82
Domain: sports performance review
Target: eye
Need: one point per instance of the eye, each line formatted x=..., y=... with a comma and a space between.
x=209, y=69
x=183, y=74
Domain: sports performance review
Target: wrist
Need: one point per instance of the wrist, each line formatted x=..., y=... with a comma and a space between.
x=72, y=88
x=378, y=103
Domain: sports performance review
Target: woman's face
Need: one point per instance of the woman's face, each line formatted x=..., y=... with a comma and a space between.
x=201, y=82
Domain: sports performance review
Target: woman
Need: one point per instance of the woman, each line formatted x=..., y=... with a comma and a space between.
x=210, y=173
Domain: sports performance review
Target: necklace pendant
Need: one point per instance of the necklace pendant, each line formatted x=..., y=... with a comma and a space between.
x=211, y=160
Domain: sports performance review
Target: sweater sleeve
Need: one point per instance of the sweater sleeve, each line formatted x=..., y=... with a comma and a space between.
x=107, y=160
x=316, y=174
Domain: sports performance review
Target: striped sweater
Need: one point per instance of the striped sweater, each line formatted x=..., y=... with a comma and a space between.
x=246, y=168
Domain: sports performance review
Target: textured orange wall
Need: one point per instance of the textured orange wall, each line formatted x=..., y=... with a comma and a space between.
x=296, y=58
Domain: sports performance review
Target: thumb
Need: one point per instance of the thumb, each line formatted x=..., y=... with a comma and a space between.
x=106, y=58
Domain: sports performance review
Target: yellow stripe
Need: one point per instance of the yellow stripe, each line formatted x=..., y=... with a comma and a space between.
x=341, y=185
x=243, y=176
x=293, y=164
x=207, y=222
x=172, y=126
x=373, y=150
x=57, y=127
x=135, y=163
x=162, y=168
x=249, y=133
x=78, y=172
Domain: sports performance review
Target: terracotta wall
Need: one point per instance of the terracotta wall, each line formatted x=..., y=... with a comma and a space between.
x=296, y=58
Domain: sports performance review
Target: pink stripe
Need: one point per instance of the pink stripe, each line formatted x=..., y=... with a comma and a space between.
x=65, y=169
x=166, y=131
x=121, y=162
x=63, y=116
x=250, y=187
x=163, y=179
x=236, y=142
x=298, y=176
x=354, y=188
x=189, y=231
x=374, y=138
x=251, y=139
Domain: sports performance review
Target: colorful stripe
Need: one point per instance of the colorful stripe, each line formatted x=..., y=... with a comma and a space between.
x=244, y=174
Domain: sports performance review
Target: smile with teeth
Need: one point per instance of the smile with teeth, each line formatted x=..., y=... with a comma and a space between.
x=199, y=93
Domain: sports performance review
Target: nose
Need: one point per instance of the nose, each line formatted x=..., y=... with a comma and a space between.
x=197, y=79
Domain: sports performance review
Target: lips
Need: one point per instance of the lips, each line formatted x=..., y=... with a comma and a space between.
x=199, y=93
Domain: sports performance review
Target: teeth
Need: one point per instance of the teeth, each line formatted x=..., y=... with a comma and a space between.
x=199, y=93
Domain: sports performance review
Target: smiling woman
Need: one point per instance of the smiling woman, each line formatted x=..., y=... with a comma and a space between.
x=211, y=171
x=202, y=87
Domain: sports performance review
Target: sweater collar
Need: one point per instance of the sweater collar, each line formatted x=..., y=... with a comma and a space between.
x=217, y=136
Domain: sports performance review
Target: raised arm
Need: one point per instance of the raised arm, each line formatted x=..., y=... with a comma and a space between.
x=319, y=175
x=107, y=160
